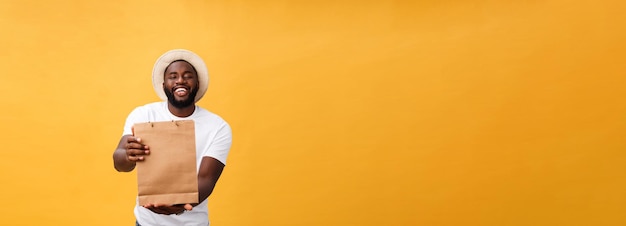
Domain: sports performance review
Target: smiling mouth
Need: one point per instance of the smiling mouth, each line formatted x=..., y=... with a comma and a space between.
x=181, y=91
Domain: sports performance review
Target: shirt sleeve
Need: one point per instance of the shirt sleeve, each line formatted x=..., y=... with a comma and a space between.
x=220, y=147
x=133, y=117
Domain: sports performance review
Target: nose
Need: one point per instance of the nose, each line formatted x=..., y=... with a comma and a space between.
x=181, y=80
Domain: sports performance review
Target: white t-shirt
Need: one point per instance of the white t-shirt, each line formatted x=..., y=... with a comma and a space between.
x=213, y=139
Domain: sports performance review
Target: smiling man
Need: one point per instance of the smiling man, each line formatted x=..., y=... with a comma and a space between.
x=180, y=79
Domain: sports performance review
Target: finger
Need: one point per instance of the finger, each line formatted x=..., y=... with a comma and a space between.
x=131, y=139
x=135, y=158
x=135, y=142
x=161, y=205
x=154, y=205
x=137, y=152
x=137, y=149
x=132, y=146
x=135, y=146
x=188, y=207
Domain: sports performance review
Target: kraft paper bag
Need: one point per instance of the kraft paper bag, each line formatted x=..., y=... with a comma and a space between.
x=168, y=174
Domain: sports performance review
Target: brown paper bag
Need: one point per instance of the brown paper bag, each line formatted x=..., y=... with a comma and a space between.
x=168, y=175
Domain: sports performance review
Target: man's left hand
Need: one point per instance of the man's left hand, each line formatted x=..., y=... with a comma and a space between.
x=168, y=209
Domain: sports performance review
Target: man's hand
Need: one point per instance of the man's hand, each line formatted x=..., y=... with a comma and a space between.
x=169, y=209
x=135, y=150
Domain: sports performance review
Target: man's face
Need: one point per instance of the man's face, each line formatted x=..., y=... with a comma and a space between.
x=180, y=84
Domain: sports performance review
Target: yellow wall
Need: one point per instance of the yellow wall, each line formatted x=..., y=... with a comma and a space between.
x=343, y=112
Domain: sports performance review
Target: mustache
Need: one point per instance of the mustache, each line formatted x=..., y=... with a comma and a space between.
x=189, y=101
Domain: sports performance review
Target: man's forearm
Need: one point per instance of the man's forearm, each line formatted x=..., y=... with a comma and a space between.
x=205, y=188
x=209, y=173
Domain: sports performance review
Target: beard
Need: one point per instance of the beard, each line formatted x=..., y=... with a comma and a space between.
x=181, y=103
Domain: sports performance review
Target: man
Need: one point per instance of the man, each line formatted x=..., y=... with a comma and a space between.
x=180, y=79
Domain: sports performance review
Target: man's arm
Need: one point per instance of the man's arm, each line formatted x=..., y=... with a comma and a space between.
x=210, y=171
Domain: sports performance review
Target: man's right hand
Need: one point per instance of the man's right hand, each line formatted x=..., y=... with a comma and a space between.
x=135, y=150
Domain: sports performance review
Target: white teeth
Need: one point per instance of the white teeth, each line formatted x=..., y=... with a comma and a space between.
x=180, y=90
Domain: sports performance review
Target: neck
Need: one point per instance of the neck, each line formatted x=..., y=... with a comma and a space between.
x=181, y=112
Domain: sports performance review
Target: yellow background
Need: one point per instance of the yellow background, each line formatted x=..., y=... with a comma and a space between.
x=343, y=112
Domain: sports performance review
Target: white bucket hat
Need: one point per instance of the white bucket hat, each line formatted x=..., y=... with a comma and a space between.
x=158, y=72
